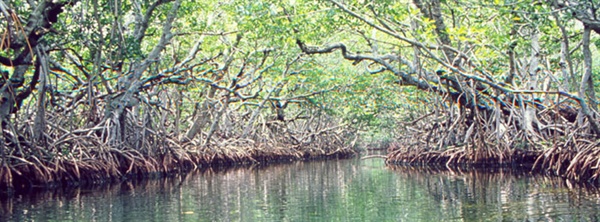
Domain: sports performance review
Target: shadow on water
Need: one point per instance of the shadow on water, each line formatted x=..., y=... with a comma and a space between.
x=343, y=190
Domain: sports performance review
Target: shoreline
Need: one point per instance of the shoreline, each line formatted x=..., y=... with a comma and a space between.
x=123, y=165
x=569, y=164
x=575, y=166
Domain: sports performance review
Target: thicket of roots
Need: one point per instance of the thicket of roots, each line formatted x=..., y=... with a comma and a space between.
x=578, y=160
x=149, y=145
x=557, y=139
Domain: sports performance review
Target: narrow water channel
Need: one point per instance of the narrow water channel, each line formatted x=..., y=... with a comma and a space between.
x=344, y=190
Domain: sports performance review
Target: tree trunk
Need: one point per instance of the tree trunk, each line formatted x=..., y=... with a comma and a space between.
x=530, y=110
x=432, y=10
x=566, y=66
x=587, y=63
x=512, y=66
x=215, y=123
x=248, y=126
x=39, y=123
x=586, y=80
x=202, y=116
x=130, y=85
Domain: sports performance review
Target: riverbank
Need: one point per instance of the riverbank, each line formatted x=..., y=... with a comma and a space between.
x=576, y=163
x=110, y=165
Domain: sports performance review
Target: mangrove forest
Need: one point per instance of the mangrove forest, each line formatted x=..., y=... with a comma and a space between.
x=93, y=91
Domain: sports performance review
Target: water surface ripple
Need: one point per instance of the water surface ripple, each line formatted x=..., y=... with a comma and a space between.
x=337, y=190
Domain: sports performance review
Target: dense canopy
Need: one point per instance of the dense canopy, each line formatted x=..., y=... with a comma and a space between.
x=126, y=87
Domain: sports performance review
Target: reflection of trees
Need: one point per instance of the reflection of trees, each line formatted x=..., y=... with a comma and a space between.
x=515, y=195
x=87, y=201
x=280, y=192
x=294, y=192
x=358, y=190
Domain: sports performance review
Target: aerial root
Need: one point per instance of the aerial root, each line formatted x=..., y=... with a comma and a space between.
x=574, y=156
x=116, y=164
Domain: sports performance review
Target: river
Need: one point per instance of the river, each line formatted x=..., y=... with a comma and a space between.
x=335, y=190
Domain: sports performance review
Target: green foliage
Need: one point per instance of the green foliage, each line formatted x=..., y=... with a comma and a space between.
x=95, y=41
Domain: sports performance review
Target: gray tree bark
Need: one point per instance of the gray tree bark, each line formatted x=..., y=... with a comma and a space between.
x=130, y=84
x=432, y=9
x=586, y=86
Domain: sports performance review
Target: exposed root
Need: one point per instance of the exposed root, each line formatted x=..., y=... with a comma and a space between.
x=554, y=142
x=121, y=164
x=92, y=156
x=462, y=156
x=580, y=163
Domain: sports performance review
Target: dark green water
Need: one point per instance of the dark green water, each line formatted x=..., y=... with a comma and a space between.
x=345, y=190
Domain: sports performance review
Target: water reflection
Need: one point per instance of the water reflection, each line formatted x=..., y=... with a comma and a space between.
x=345, y=190
x=501, y=195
